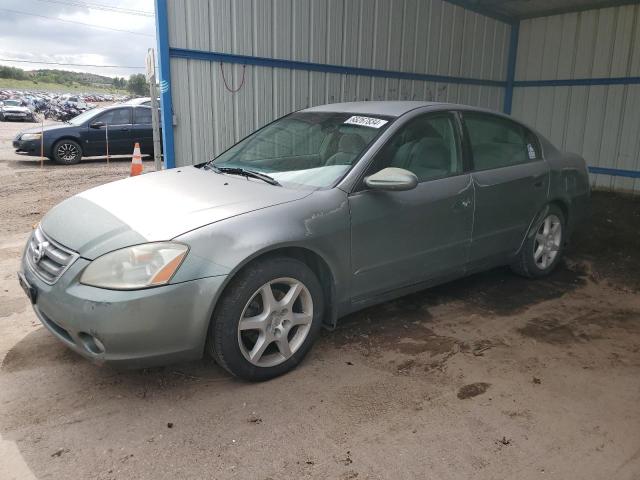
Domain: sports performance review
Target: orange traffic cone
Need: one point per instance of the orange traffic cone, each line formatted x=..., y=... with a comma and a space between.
x=136, y=161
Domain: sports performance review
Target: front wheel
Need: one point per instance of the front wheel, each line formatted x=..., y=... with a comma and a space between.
x=67, y=152
x=543, y=247
x=267, y=319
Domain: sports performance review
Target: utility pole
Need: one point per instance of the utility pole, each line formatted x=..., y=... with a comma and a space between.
x=155, y=119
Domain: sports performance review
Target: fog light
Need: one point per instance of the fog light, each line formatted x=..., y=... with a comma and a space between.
x=91, y=344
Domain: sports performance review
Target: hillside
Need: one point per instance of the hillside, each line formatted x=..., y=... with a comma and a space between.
x=12, y=84
x=58, y=80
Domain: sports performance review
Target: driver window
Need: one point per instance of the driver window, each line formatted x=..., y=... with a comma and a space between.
x=118, y=116
x=427, y=146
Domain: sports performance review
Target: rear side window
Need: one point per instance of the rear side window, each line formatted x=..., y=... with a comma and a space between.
x=142, y=115
x=498, y=142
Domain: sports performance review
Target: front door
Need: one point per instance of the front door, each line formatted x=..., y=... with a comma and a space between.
x=115, y=129
x=406, y=237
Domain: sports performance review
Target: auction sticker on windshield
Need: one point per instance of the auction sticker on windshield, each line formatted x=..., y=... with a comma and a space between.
x=366, y=121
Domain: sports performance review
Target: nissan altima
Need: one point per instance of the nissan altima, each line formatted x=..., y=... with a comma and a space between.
x=318, y=214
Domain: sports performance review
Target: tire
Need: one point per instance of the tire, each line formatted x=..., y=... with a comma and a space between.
x=67, y=152
x=542, y=248
x=260, y=353
x=1, y=117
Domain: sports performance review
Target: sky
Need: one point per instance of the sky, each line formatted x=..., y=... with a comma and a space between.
x=33, y=38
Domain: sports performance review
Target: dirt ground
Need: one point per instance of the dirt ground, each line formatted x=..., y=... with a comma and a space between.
x=488, y=377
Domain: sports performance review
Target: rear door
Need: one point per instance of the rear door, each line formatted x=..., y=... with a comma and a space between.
x=142, y=131
x=511, y=183
x=116, y=129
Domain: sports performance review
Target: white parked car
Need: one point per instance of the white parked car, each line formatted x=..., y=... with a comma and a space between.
x=13, y=110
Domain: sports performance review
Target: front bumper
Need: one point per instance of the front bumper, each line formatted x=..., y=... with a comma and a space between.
x=31, y=147
x=17, y=116
x=130, y=329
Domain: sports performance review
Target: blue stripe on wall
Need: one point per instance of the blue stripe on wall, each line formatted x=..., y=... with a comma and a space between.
x=327, y=68
x=615, y=172
x=576, y=82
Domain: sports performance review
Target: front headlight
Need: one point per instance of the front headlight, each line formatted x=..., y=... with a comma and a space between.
x=132, y=268
x=30, y=136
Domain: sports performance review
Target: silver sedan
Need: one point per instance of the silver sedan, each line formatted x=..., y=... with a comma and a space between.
x=318, y=214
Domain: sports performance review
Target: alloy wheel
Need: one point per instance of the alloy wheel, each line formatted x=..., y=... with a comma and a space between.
x=547, y=242
x=275, y=322
x=67, y=152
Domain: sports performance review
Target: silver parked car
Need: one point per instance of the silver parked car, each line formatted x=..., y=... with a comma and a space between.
x=318, y=214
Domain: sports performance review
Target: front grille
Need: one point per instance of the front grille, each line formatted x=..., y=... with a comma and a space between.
x=48, y=259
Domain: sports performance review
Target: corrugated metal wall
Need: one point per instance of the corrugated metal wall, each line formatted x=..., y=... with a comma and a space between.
x=423, y=36
x=602, y=122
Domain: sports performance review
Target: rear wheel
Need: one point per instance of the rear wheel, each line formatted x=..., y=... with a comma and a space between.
x=67, y=152
x=543, y=247
x=267, y=319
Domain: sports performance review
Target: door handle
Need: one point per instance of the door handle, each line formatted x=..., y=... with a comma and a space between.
x=538, y=183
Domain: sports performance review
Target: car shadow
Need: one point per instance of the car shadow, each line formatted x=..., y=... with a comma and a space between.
x=497, y=292
x=494, y=293
x=41, y=349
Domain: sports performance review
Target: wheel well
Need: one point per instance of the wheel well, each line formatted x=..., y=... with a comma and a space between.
x=317, y=265
x=562, y=205
x=65, y=138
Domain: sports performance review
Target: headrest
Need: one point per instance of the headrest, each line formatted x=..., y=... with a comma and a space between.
x=351, y=143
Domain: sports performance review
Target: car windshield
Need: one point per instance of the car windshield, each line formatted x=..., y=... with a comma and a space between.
x=12, y=103
x=306, y=149
x=83, y=117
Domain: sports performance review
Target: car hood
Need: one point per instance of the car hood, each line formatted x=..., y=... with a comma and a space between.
x=155, y=207
x=48, y=128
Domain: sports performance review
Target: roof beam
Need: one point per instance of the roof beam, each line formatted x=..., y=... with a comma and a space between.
x=496, y=9
x=477, y=7
x=592, y=5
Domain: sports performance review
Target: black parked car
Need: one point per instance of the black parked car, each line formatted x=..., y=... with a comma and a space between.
x=86, y=135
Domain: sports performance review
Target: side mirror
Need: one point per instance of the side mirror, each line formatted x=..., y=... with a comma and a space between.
x=97, y=125
x=391, y=178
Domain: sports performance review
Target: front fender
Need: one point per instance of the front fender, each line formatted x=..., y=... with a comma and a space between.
x=318, y=223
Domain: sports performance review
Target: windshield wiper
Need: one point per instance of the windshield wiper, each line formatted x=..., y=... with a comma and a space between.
x=246, y=173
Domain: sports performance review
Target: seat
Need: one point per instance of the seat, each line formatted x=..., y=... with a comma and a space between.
x=430, y=158
x=349, y=147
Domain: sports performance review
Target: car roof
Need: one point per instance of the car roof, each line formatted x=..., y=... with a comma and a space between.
x=392, y=108
x=123, y=105
x=137, y=101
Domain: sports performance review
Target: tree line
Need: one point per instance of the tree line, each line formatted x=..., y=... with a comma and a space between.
x=136, y=84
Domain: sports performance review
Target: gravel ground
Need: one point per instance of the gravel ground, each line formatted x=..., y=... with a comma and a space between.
x=488, y=377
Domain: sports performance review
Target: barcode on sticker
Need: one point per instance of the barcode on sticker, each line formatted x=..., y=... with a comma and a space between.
x=366, y=121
